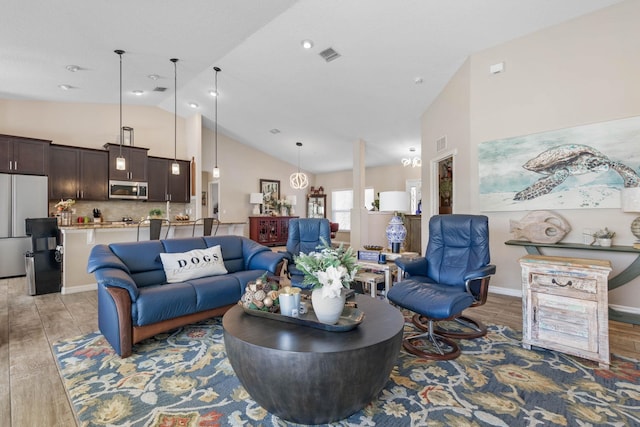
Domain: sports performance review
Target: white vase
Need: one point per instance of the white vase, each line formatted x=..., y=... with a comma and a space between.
x=328, y=310
x=605, y=243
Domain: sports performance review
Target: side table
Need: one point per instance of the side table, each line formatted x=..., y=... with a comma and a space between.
x=389, y=269
x=564, y=304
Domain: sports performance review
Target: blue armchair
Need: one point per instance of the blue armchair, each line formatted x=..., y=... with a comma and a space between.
x=453, y=276
x=305, y=235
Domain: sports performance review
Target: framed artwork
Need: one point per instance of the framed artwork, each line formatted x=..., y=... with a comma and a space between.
x=270, y=190
x=583, y=167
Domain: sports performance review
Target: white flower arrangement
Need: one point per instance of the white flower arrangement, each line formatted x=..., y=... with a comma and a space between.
x=330, y=269
x=65, y=205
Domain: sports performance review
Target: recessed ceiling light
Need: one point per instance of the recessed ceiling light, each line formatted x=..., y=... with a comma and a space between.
x=212, y=92
x=72, y=68
x=307, y=44
x=153, y=76
x=418, y=80
x=138, y=92
x=275, y=131
x=193, y=105
x=65, y=87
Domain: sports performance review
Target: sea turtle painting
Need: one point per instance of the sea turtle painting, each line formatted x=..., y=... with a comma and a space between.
x=558, y=163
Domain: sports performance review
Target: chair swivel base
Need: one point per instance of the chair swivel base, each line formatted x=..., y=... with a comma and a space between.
x=470, y=328
x=446, y=349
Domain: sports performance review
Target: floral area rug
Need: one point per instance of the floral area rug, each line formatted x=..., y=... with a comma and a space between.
x=184, y=378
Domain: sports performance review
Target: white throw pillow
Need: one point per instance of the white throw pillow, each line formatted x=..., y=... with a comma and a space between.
x=179, y=267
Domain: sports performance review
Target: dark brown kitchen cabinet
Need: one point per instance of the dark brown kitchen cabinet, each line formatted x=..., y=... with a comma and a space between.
x=164, y=186
x=21, y=155
x=135, y=159
x=78, y=173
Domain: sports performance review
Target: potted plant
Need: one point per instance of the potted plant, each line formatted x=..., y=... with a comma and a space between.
x=328, y=271
x=604, y=237
x=155, y=213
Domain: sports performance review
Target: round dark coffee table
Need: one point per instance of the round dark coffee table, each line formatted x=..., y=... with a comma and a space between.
x=312, y=376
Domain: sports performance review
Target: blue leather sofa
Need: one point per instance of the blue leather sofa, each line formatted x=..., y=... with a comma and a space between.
x=136, y=302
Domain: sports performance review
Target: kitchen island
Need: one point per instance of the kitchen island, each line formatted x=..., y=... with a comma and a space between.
x=77, y=241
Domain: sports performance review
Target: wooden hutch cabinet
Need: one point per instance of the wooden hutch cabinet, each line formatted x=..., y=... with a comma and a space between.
x=269, y=230
x=565, y=305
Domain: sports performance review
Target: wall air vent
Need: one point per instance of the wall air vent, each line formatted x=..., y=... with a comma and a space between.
x=159, y=89
x=329, y=54
x=441, y=143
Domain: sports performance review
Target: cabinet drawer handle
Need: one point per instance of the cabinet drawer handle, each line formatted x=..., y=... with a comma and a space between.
x=555, y=282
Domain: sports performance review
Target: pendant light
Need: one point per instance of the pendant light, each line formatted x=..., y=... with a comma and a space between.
x=216, y=169
x=121, y=163
x=298, y=180
x=175, y=167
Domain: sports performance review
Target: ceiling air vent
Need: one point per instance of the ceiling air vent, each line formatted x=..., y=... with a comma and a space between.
x=441, y=143
x=329, y=54
x=159, y=89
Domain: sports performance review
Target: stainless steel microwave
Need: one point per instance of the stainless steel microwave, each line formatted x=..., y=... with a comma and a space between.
x=128, y=190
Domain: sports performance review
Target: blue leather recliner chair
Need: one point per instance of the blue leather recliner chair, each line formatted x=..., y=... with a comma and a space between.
x=305, y=236
x=453, y=276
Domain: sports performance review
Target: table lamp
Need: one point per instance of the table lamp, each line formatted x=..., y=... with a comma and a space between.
x=396, y=202
x=256, y=200
x=631, y=203
x=292, y=201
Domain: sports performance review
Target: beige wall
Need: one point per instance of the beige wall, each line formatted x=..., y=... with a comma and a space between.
x=241, y=168
x=584, y=71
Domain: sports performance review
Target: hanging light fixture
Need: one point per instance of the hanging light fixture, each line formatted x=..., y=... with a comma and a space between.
x=121, y=163
x=413, y=161
x=175, y=167
x=216, y=169
x=298, y=180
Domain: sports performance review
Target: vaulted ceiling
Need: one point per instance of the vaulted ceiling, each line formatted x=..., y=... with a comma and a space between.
x=395, y=57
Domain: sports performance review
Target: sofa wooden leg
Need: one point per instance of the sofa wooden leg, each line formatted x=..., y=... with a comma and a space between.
x=122, y=301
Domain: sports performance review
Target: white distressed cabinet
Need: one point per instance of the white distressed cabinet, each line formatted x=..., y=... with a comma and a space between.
x=565, y=305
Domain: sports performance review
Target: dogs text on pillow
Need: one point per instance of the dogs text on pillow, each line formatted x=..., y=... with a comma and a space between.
x=179, y=267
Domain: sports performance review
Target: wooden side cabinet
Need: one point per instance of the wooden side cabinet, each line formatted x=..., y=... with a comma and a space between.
x=413, y=242
x=565, y=305
x=269, y=230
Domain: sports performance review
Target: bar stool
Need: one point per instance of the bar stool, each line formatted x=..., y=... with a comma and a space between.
x=207, y=226
x=155, y=226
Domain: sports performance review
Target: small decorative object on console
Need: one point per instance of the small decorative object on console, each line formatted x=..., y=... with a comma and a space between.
x=540, y=227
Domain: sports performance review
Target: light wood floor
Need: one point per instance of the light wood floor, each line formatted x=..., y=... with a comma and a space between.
x=31, y=392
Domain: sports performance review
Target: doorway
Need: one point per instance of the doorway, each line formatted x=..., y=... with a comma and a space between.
x=214, y=200
x=442, y=181
x=445, y=185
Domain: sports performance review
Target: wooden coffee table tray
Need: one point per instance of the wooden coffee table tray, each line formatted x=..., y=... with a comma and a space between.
x=349, y=319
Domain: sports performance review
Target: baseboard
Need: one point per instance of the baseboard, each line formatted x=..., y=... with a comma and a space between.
x=505, y=291
x=625, y=309
x=75, y=289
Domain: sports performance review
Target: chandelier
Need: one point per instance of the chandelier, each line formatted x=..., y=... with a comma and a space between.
x=414, y=162
x=298, y=180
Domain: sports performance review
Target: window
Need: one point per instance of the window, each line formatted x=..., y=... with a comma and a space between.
x=342, y=203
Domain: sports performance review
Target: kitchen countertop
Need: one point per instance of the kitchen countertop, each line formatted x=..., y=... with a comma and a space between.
x=134, y=224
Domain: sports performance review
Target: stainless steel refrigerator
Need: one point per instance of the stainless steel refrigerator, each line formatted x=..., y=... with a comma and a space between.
x=21, y=197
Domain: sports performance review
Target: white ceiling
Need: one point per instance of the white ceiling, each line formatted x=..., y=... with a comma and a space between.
x=268, y=81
